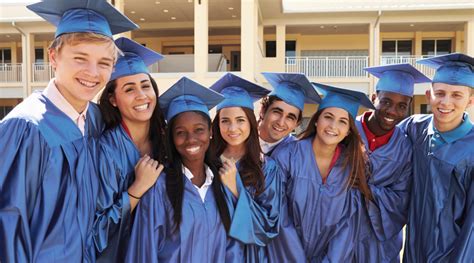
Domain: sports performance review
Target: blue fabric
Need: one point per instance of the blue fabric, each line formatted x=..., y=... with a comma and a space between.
x=238, y=92
x=325, y=216
x=440, y=138
x=256, y=219
x=293, y=88
x=348, y=100
x=398, y=78
x=92, y=16
x=380, y=238
x=441, y=212
x=453, y=69
x=136, y=58
x=187, y=95
x=118, y=157
x=200, y=238
x=288, y=139
x=48, y=183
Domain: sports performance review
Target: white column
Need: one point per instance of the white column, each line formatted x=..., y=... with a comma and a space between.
x=28, y=52
x=14, y=53
x=374, y=51
x=281, y=46
x=249, y=24
x=201, y=38
x=469, y=38
x=418, y=43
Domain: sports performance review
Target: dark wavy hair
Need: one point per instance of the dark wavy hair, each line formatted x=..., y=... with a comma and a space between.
x=112, y=118
x=353, y=154
x=175, y=178
x=267, y=101
x=250, y=169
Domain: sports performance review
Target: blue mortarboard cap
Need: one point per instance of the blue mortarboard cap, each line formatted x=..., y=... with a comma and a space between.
x=348, y=100
x=398, y=78
x=136, y=58
x=72, y=16
x=238, y=92
x=187, y=95
x=293, y=88
x=453, y=69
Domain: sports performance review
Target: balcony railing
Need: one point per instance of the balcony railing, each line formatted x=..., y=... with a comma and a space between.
x=386, y=60
x=10, y=72
x=42, y=72
x=328, y=67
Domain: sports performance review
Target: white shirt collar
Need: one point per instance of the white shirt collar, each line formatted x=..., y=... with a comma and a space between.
x=268, y=146
x=207, y=183
x=52, y=93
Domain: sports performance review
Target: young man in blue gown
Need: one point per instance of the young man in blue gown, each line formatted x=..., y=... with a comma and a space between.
x=441, y=212
x=48, y=169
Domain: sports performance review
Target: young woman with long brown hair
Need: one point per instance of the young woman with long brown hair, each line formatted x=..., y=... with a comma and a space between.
x=327, y=182
x=253, y=180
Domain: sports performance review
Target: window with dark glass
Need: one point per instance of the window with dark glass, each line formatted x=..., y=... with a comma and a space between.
x=270, y=48
x=436, y=47
x=39, y=55
x=5, y=55
x=388, y=48
x=396, y=48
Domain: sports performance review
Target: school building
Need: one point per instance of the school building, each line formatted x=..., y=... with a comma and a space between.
x=330, y=41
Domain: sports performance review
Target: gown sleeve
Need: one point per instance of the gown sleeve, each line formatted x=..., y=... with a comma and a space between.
x=149, y=227
x=287, y=246
x=388, y=210
x=256, y=219
x=23, y=158
x=112, y=217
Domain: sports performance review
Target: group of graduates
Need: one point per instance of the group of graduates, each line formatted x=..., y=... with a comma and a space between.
x=143, y=177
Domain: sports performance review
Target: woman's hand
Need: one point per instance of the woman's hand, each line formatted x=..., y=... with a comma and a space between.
x=228, y=175
x=147, y=172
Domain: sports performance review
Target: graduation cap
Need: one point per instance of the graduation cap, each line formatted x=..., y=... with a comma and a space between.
x=398, y=78
x=187, y=95
x=72, y=16
x=136, y=58
x=238, y=92
x=348, y=100
x=453, y=69
x=293, y=88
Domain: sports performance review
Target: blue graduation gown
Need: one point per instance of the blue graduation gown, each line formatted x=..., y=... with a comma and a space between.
x=48, y=184
x=380, y=238
x=441, y=211
x=326, y=216
x=288, y=139
x=118, y=157
x=201, y=236
x=256, y=219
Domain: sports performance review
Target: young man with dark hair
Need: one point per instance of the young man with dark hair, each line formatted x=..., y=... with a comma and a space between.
x=389, y=152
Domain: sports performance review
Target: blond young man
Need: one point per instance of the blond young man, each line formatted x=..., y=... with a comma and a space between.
x=48, y=178
x=441, y=212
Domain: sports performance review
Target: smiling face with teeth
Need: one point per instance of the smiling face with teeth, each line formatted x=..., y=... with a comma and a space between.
x=278, y=120
x=390, y=109
x=332, y=126
x=448, y=103
x=135, y=98
x=82, y=69
x=234, y=127
x=191, y=136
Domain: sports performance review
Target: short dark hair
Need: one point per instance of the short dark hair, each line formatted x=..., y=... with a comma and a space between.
x=267, y=101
